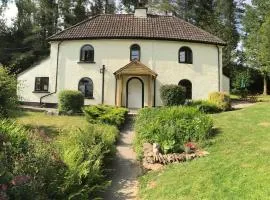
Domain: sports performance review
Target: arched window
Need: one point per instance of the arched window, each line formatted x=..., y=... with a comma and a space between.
x=87, y=53
x=188, y=87
x=86, y=87
x=135, y=52
x=185, y=55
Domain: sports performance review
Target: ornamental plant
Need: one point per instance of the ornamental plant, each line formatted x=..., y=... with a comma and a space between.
x=171, y=128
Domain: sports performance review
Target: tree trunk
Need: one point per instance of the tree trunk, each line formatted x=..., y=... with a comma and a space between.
x=264, y=84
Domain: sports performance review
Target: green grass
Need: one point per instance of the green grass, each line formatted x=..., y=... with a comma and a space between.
x=52, y=125
x=238, y=166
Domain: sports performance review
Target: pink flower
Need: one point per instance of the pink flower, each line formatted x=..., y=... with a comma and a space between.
x=191, y=145
x=20, y=180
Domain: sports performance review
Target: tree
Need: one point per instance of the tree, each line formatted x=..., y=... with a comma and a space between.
x=264, y=50
x=8, y=93
x=255, y=39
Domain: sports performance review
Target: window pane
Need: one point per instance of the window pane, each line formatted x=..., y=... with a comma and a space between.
x=87, y=53
x=182, y=56
x=86, y=87
x=135, y=54
x=42, y=84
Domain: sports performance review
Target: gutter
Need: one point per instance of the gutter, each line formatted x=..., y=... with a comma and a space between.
x=219, y=89
x=56, y=75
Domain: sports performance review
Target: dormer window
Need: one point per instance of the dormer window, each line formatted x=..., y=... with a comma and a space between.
x=185, y=55
x=87, y=53
x=135, y=52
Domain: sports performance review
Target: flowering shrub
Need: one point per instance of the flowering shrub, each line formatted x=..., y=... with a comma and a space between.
x=171, y=127
x=221, y=99
x=190, y=147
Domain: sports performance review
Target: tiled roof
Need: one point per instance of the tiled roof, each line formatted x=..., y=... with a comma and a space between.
x=126, y=26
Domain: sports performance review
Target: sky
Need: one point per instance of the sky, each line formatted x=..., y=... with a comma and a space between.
x=11, y=12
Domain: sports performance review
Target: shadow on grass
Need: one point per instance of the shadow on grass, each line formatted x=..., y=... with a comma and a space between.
x=215, y=131
x=212, y=137
x=18, y=113
x=44, y=131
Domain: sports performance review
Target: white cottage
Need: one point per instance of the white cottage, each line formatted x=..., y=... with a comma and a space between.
x=124, y=59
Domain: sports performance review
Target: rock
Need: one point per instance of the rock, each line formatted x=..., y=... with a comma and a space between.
x=52, y=113
x=147, y=150
x=156, y=149
x=201, y=153
x=154, y=167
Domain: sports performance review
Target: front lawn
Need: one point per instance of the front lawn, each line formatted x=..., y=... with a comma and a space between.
x=52, y=125
x=238, y=166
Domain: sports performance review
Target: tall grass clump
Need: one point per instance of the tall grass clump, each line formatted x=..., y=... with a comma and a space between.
x=85, y=152
x=171, y=127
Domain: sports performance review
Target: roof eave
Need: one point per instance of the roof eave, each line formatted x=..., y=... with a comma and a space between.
x=221, y=43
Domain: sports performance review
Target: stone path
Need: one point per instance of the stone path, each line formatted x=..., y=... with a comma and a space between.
x=126, y=169
x=241, y=104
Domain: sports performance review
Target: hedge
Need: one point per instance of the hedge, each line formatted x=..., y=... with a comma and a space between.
x=171, y=127
x=205, y=106
x=70, y=102
x=105, y=114
x=172, y=95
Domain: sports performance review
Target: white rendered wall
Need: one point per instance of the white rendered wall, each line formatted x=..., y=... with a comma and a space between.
x=160, y=56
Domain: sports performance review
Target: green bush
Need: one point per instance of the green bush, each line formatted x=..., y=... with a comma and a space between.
x=105, y=114
x=171, y=127
x=84, y=152
x=72, y=167
x=205, y=106
x=70, y=102
x=172, y=95
x=221, y=99
x=28, y=168
x=8, y=93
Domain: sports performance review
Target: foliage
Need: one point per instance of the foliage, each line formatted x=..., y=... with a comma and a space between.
x=8, y=93
x=171, y=127
x=172, y=95
x=239, y=150
x=105, y=114
x=71, y=167
x=241, y=82
x=205, y=106
x=84, y=152
x=256, y=38
x=70, y=101
x=28, y=169
x=221, y=99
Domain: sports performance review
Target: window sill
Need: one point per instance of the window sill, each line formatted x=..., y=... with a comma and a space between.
x=185, y=63
x=89, y=98
x=45, y=92
x=86, y=62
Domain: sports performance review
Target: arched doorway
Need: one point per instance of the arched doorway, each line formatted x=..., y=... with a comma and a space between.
x=135, y=93
x=188, y=87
